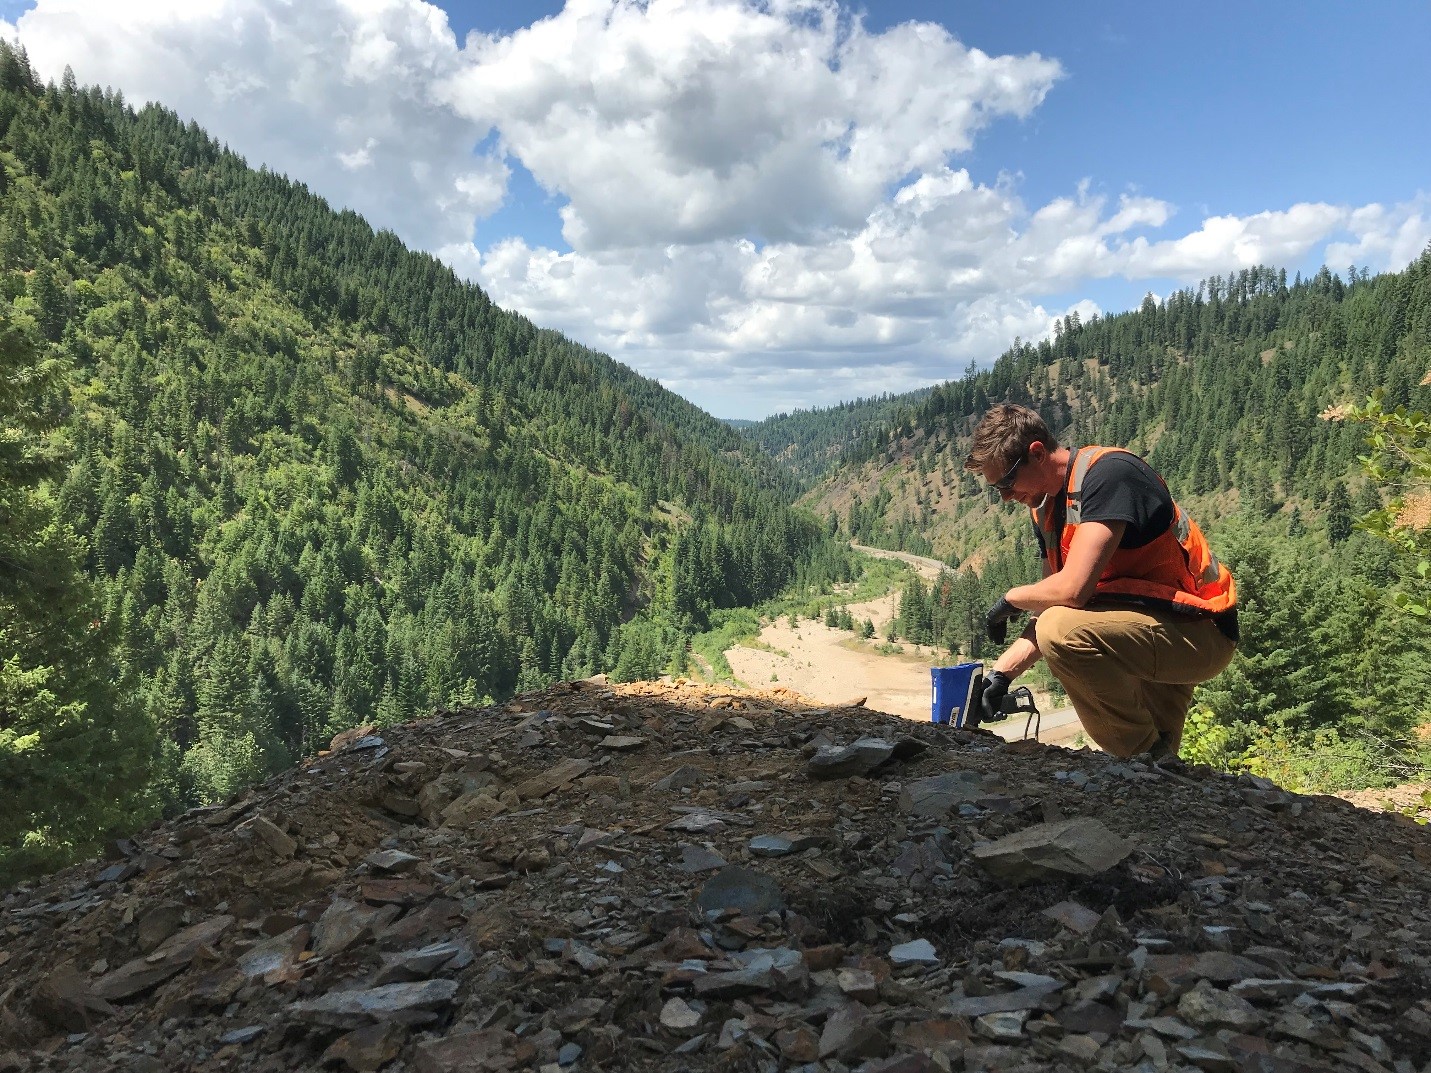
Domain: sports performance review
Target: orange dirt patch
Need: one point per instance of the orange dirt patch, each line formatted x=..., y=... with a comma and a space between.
x=1415, y=511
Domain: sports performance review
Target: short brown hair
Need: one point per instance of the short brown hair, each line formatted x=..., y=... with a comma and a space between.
x=1004, y=434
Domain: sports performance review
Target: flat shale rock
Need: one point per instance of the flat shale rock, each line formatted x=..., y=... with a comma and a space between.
x=915, y=952
x=860, y=758
x=666, y=877
x=939, y=795
x=742, y=889
x=174, y=955
x=678, y=1015
x=700, y=859
x=553, y=779
x=1025, y=998
x=1081, y=846
x=842, y=761
x=411, y=1002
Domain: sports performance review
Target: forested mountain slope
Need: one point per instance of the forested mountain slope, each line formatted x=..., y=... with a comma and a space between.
x=810, y=443
x=321, y=479
x=1234, y=391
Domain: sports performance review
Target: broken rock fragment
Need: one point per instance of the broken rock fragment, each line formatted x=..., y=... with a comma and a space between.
x=678, y=1016
x=842, y=761
x=770, y=846
x=1025, y=998
x=779, y=970
x=553, y=778
x=278, y=958
x=391, y=860
x=699, y=859
x=742, y=889
x=472, y=809
x=273, y=836
x=1205, y=1005
x=918, y=952
x=64, y=1000
x=368, y=1048
x=408, y=1003
x=852, y=1032
x=409, y=965
x=1081, y=846
x=861, y=757
x=342, y=924
x=1075, y=917
x=941, y=794
x=683, y=777
x=173, y=956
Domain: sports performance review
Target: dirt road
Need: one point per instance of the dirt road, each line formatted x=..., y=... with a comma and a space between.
x=831, y=665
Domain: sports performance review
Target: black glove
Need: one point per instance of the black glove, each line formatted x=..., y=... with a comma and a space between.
x=991, y=702
x=996, y=621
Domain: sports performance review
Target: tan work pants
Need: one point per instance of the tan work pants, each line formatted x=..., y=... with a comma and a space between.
x=1130, y=671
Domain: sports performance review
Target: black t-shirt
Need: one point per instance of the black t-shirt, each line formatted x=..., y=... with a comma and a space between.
x=1121, y=487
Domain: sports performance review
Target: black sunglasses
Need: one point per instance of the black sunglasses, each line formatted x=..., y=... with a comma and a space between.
x=1004, y=483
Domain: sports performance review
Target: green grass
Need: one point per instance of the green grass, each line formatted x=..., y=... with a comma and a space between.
x=728, y=629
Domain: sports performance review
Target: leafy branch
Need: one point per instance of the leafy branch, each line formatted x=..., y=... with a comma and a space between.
x=1399, y=461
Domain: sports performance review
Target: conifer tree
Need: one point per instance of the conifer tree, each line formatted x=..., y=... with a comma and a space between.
x=1339, y=513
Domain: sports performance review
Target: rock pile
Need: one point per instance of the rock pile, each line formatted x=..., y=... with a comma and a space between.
x=670, y=877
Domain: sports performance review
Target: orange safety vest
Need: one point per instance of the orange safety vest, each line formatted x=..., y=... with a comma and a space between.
x=1177, y=569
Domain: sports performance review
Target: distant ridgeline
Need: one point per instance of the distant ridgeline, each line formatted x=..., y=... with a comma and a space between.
x=323, y=480
x=811, y=443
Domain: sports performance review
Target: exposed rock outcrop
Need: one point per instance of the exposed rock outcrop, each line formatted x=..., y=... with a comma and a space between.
x=671, y=877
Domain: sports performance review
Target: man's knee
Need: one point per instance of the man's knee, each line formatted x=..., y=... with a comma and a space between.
x=1053, y=632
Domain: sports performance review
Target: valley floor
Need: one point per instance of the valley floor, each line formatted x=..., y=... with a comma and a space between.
x=832, y=666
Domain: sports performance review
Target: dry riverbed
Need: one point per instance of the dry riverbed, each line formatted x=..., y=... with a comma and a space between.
x=833, y=666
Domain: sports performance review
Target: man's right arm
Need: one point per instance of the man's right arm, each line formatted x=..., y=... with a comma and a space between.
x=1021, y=655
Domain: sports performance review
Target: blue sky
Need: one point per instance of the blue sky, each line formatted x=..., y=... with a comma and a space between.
x=793, y=203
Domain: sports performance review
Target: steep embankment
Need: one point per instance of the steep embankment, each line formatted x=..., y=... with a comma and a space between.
x=657, y=877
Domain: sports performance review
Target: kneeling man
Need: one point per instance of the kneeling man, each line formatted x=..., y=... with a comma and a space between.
x=1133, y=609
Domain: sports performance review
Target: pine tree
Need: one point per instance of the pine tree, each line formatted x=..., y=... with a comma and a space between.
x=1339, y=513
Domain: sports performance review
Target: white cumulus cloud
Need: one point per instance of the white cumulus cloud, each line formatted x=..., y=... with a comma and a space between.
x=339, y=94
x=761, y=202
x=691, y=120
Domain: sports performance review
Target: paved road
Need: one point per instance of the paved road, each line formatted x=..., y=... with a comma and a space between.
x=929, y=569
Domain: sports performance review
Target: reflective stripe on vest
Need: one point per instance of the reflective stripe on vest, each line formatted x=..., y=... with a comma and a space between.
x=1177, y=568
